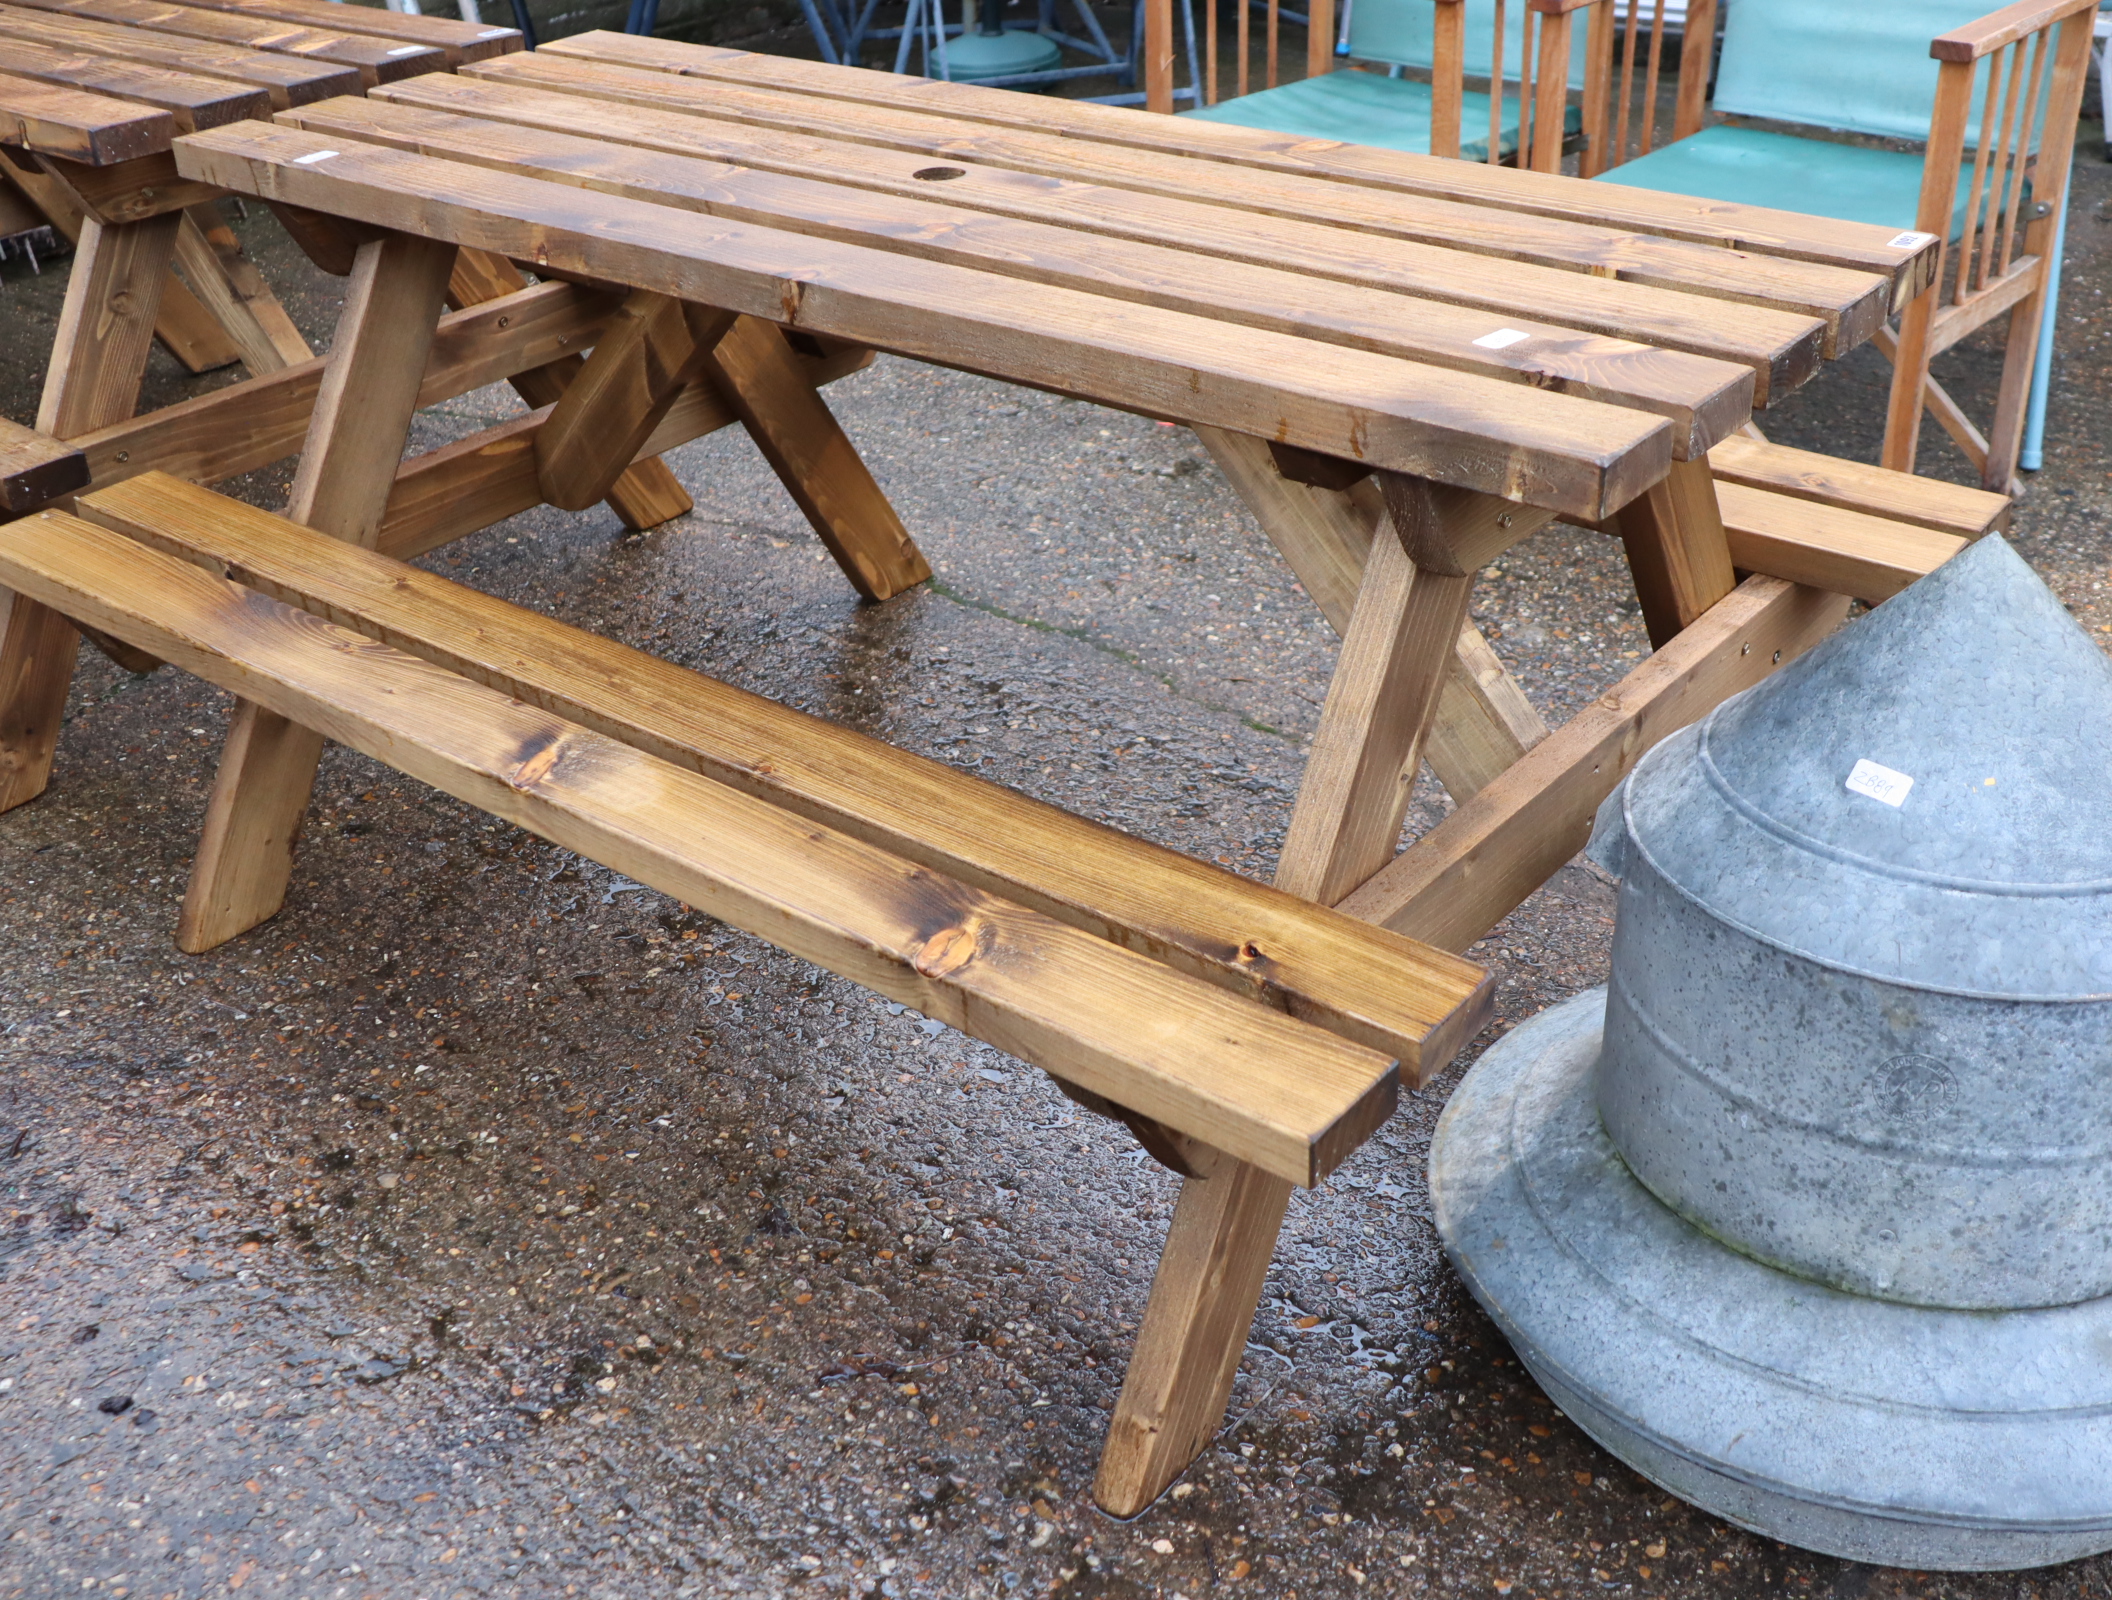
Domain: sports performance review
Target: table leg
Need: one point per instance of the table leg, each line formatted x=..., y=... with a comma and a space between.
x=1194, y=1331
x=1400, y=646
x=97, y=360
x=1677, y=553
x=348, y=465
x=1484, y=721
x=180, y=322
x=647, y=494
x=806, y=446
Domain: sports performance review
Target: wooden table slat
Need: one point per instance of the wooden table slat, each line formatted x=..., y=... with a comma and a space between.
x=1569, y=455
x=1705, y=399
x=289, y=80
x=376, y=60
x=1782, y=348
x=1853, y=303
x=463, y=41
x=193, y=102
x=56, y=121
x=1789, y=234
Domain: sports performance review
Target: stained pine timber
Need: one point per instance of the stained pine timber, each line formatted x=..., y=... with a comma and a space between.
x=372, y=58
x=192, y=101
x=1855, y=486
x=288, y=80
x=1478, y=865
x=1851, y=300
x=1867, y=557
x=1287, y=1097
x=1573, y=456
x=461, y=42
x=36, y=469
x=1782, y=346
x=1698, y=394
x=1388, y=994
x=1788, y=234
x=88, y=128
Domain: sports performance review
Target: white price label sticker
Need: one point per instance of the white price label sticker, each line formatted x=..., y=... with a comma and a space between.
x=1502, y=339
x=1911, y=240
x=406, y=49
x=493, y=33
x=312, y=157
x=1879, y=783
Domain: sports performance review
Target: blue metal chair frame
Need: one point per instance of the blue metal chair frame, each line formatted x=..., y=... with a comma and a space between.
x=841, y=28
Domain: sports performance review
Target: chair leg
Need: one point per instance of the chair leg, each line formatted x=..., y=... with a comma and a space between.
x=2006, y=434
x=1910, y=376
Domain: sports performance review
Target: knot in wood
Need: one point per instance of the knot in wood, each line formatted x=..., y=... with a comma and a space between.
x=950, y=949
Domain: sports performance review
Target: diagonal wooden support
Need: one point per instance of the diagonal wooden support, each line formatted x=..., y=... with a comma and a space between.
x=97, y=359
x=228, y=284
x=653, y=348
x=646, y=494
x=1677, y=552
x=806, y=446
x=348, y=465
x=1484, y=721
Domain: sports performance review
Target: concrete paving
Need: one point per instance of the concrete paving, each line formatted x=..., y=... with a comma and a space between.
x=487, y=1225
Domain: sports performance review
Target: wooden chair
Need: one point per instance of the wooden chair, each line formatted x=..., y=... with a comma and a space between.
x=1803, y=91
x=1524, y=46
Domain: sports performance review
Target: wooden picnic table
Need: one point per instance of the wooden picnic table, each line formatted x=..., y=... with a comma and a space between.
x=1404, y=364
x=92, y=92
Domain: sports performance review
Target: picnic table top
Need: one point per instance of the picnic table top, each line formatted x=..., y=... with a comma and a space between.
x=1530, y=336
x=106, y=81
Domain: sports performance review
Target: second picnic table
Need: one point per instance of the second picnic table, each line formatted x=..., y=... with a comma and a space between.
x=1404, y=364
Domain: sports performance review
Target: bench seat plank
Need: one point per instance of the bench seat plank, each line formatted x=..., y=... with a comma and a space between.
x=1270, y=1090
x=288, y=80
x=1551, y=450
x=1792, y=235
x=1828, y=547
x=90, y=128
x=1854, y=486
x=1781, y=347
x=1852, y=300
x=1373, y=987
x=1705, y=400
x=376, y=60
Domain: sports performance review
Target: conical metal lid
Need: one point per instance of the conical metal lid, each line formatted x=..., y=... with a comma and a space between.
x=1924, y=798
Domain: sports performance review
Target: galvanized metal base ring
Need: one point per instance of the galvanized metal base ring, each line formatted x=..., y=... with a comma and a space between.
x=1865, y=1429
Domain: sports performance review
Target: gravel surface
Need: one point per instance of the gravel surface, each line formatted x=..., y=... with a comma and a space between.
x=485, y=1224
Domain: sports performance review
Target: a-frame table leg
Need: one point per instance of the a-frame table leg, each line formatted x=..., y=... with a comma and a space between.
x=348, y=464
x=1484, y=721
x=227, y=282
x=97, y=359
x=1194, y=1331
x=1395, y=658
x=1677, y=552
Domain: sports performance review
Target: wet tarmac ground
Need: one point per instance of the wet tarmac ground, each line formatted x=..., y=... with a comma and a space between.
x=486, y=1224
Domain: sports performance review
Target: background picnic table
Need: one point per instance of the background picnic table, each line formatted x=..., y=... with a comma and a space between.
x=1098, y=585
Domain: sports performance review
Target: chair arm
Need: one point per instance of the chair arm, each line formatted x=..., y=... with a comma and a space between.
x=1697, y=55
x=1998, y=28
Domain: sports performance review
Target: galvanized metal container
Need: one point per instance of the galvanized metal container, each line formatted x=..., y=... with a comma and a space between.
x=1860, y=1027
x=1807, y=1216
